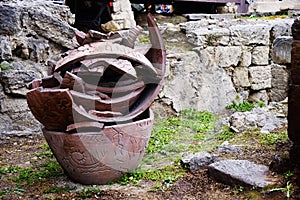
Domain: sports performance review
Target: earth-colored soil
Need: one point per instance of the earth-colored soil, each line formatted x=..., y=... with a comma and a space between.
x=22, y=151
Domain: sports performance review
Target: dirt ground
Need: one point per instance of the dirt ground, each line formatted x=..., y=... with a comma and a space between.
x=20, y=151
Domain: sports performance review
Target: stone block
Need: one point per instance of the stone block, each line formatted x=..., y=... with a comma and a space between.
x=260, y=96
x=246, y=57
x=260, y=77
x=199, y=160
x=209, y=37
x=258, y=34
x=240, y=77
x=14, y=81
x=124, y=19
x=117, y=6
x=260, y=55
x=125, y=5
x=281, y=50
x=228, y=56
x=280, y=28
x=264, y=7
x=280, y=80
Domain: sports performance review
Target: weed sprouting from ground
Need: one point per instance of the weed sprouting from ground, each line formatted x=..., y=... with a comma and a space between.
x=244, y=106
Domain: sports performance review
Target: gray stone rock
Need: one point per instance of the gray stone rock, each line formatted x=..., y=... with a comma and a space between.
x=240, y=77
x=5, y=49
x=266, y=118
x=260, y=55
x=260, y=77
x=246, y=57
x=241, y=172
x=9, y=20
x=14, y=81
x=228, y=56
x=237, y=122
x=194, y=85
x=281, y=27
x=258, y=34
x=16, y=117
x=226, y=147
x=281, y=50
x=32, y=26
x=259, y=96
x=279, y=83
x=199, y=160
x=209, y=37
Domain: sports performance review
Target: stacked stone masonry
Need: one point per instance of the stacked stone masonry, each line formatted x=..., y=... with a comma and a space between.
x=231, y=60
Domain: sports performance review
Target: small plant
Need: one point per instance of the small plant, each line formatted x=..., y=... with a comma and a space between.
x=89, y=191
x=9, y=170
x=273, y=138
x=225, y=135
x=4, y=192
x=238, y=190
x=17, y=190
x=244, y=106
x=5, y=66
x=286, y=189
x=288, y=174
x=59, y=190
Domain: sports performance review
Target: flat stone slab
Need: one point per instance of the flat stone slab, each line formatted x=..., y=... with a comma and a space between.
x=241, y=172
x=199, y=160
x=209, y=16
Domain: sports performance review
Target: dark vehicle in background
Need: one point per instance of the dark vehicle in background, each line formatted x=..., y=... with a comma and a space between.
x=90, y=14
x=192, y=6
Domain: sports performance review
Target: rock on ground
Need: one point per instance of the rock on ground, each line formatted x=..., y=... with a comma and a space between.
x=241, y=172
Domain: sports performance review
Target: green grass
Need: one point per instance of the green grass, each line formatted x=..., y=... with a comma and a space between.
x=171, y=137
x=59, y=190
x=181, y=134
x=244, y=106
x=273, y=138
x=43, y=169
x=89, y=192
x=169, y=174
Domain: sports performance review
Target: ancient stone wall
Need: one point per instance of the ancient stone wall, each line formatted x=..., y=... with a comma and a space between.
x=231, y=60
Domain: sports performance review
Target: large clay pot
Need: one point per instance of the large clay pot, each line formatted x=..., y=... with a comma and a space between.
x=97, y=157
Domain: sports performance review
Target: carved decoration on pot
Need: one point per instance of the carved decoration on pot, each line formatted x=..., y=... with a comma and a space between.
x=95, y=103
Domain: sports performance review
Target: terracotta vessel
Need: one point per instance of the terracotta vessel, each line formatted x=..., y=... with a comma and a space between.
x=94, y=105
x=97, y=157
